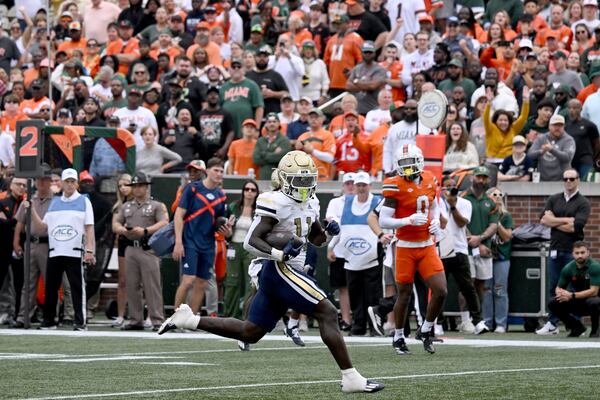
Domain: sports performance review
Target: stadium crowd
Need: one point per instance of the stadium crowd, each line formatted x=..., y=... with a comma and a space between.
x=213, y=87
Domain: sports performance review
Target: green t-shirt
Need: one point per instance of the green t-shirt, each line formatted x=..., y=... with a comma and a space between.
x=150, y=33
x=484, y=213
x=448, y=85
x=241, y=100
x=580, y=278
x=506, y=221
x=252, y=47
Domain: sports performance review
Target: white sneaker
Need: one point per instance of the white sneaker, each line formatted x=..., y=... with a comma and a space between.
x=388, y=328
x=183, y=318
x=500, y=329
x=118, y=322
x=548, y=329
x=3, y=318
x=481, y=328
x=147, y=323
x=438, y=330
x=303, y=325
x=243, y=346
x=466, y=327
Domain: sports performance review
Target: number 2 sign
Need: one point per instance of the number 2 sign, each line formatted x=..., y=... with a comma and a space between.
x=29, y=143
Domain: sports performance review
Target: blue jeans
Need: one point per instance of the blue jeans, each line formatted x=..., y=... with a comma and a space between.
x=495, y=297
x=584, y=170
x=555, y=265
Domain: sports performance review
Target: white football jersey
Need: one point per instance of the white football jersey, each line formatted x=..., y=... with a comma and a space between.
x=291, y=216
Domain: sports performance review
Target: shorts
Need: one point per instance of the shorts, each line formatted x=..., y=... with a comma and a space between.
x=337, y=274
x=423, y=259
x=198, y=263
x=481, y=268
x=280, y=288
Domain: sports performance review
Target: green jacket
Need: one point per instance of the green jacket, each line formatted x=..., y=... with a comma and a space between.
x=266, y=155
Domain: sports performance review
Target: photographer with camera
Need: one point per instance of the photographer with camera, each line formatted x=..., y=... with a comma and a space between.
x=137, y=220
x=184, y=139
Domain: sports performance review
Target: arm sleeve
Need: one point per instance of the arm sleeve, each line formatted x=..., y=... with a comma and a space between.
x=387, y=220
x=566, y=154
x=323, y=155
x=169, y=155
x=534, y=151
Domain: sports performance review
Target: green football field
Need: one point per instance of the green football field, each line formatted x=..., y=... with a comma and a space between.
x=110, y=364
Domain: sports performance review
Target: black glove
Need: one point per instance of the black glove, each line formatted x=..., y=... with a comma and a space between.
x=332, y=228
x=289, y=251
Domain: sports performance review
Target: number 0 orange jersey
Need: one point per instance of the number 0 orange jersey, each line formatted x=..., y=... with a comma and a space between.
x=411, y=198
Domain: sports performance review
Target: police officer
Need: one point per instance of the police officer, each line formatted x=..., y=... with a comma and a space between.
x=69, y=222
x=39, y=245
x=137, y=220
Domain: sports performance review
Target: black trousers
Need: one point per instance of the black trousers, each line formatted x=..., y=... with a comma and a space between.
x=566, y=311
x=459, y=268
x=16, y=265
x=365, y=288
x=73, y=267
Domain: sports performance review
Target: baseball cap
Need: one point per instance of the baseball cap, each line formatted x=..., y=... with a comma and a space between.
x=135, y=92
x=362, y=177
x=210, y=9
x=64, y=113
x=348, y=177
x=272, y=115
x=69, y=173
x=453, y=20
x=37, y=83
x=256, y=28
x=66, y=14
x=212, y=89
x=481, y=171
x=593, y=3
x=526, y=44
x=202, y=25
x=309, y=43
x=519, y=139
x=287, y=96
x=125, y=24
x=75, y=26
x=398, y=104
x=114, y=118
x=85, y=176
x=339, y=18
x=176, y=17
x=456, y=63
x=559, y=54
x=266, y=49
x=316, y=111
x=557, y=119
x=503, y=43
x=306, y=99
x=368, y=46
x=315, y=4
x=236, y=61
x=531, y=55
x=140, y=179
x=351, y=2
x=196, y=164
x=350, y=113
x=174, y=81
x=426, y=18
x=250, y=121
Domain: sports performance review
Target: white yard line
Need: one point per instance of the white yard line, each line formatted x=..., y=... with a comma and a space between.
x=113, y=358
x=177, y=363
x=331, y=381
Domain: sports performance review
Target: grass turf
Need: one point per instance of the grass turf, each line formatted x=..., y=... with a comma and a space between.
x=37, y=378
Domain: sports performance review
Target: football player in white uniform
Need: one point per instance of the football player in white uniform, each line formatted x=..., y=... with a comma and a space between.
x=282, y=283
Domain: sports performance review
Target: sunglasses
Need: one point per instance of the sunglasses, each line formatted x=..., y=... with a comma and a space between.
x=11, y=102
x=15, y=28
x=251, y=190
x=410, y=108
x=236, y=66
x=19, y=184
x=44, y=110
x=569, y=179
x=497, y=194
x=139, y=72
x=92, y=45
x=580, y=32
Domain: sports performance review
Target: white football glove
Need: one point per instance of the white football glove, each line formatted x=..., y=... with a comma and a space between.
x=417, y=219
x=434, y=227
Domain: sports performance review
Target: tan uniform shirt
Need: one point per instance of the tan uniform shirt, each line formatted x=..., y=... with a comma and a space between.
x=133, y=214
x=41, y=207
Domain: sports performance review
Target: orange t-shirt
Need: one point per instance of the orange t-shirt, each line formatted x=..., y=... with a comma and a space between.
x=240, y=155
x=564, y=34
x=29, y=75
x=509, y=35
x=342, y=54
x=411, y=198
x=586, y=92
x=503, y=66
x=8, y=124
x=32, y=107
x=300, y=37
x=337, y=126
x=220, y=24
x=171, y=51
x=212, y=50
x=374, y=144
x=349, y=158
x=117, y=47
x=323, y=141
x=68, y=46
x=394, y=70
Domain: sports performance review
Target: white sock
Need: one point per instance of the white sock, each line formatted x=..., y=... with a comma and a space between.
x=398, y=334
x=464, y=316
x=426, y=327
x=292, y=323
x=351, y=378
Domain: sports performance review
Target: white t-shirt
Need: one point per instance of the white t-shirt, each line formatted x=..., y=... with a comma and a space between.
x=504, y=100
x=459, y=234
x=7, y=152
x=400, y=133
x=141, y=117
x=410, y=14
x=291, y=70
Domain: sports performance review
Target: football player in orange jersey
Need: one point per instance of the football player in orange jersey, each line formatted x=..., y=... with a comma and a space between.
x=411, y=208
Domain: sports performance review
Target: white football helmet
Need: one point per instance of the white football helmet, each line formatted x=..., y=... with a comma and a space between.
x=275, y=183
x=298, y=175
x=409, y=161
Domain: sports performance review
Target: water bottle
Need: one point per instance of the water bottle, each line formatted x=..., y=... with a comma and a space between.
x=535, y=176
x=380, y=176
x=341, y=176
x=251, y=173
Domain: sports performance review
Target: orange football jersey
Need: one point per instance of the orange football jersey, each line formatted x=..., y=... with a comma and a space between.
x=411, y=198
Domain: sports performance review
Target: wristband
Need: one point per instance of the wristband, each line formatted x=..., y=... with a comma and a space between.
x=89, y=251
x=145, y=231
x=573, y=295
x=380, y=235
x=277, y=254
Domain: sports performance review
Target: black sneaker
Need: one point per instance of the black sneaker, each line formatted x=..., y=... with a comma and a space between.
x=425, y=337
x=79, y=328
x=47, y=326
x=19, y=325
x=376, y=322
x=132, y=327
x=577, y=331
x=400, y=347
x=594, y=334
x=293, y=333
x=344, y=326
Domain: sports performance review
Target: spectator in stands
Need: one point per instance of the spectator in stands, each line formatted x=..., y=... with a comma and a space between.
x=366, y=79
x=288, y=65
x=419, y=61
x=273, y=86
x=576, y=293
x=460, y=153
x=457, y=42
x=342, y=53
x=300, y=125
x=270, y=148
x=140, y=78
x=553, y=151
x=347, y=157
x=166, y=115
x=566, y=213
x=381, y=115
x=495, y=298
x=241, y=151
x=216, y=126
x=97, y=17
x=183, y=140
x=134, y=117
x=562, y=75
x=315, y=82
x=587, y=143
x=590, y=16
x=287, y=114
x=455, y=78
x=504, y=97
x=150, y=159
x=117, y=99
x=319, y=143
x=126, y=48
x=237, y=282
x=123, y=195
x=337, y=125
x=517, y=166
x=500, y=129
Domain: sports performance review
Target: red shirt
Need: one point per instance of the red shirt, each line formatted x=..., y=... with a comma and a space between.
x=349, y=158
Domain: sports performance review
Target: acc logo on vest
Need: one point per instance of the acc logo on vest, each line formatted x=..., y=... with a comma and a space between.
x=63, y=233
x=357, y=246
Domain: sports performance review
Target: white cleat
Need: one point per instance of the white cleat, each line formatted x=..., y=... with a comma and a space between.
x=548, y=329
x=466, y=327
x=481, y=328
x=183, y=318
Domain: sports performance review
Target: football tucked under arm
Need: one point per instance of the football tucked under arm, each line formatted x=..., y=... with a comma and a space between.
x=255, y=242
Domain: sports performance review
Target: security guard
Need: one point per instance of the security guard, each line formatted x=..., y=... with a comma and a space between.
x=137, y=220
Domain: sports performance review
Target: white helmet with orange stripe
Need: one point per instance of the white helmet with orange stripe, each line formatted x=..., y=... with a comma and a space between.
x=409, y=161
